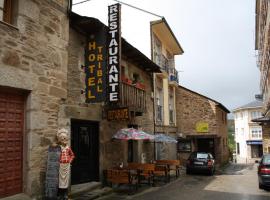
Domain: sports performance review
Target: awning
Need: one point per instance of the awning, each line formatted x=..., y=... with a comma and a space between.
x=254, y=142
x=202, y=136
x=262, y=119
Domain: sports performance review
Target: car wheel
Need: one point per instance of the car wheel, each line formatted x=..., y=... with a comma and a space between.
x=261, y=186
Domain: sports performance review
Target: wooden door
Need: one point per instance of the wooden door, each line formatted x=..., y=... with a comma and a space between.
x=85, y=144
x=11, y=142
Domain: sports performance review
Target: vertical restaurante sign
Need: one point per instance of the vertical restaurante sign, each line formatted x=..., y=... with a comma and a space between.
x=114, y=52
x=95, y=68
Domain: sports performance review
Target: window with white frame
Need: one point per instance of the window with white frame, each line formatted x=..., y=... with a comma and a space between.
x=159, y=107
x=255, y=114
x=256, y=132
x=171, y=109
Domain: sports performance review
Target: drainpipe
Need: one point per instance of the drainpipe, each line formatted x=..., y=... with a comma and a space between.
x=154, y=111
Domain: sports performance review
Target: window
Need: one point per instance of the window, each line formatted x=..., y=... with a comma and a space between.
x=184, y=146
x=171, y=108
x=255, y=114
x=256, y=132
x=157, y=50
x=5, y=11
x=159, y=108
x=238, y=148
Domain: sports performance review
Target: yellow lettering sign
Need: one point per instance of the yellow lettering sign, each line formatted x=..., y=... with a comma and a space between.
x=90, y=96
x=91, y=81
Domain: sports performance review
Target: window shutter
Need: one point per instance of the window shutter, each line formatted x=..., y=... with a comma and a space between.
x=7, y=17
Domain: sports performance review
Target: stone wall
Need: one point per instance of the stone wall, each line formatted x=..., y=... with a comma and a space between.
x=33, y=58
x=110, y=152
x=266, y=138
x=192, y=108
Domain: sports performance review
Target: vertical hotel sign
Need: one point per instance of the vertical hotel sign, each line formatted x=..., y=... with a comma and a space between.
x=114, y=52
x=95, y=67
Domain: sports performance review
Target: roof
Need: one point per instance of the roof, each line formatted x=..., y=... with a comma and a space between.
x=253, y=104
x=261, y=120
x=218, y=104
x=89, y=25
x=165, y=32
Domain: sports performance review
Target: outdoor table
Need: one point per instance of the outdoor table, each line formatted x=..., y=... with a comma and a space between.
x=121, y=176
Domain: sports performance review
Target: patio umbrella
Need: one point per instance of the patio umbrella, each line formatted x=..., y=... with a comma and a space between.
x=132, y=134
x=164, y=138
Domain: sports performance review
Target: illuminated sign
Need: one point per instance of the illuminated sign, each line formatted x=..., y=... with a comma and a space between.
x=95, y=67
x=202, y=127
x=118, y=114
x=114, y=52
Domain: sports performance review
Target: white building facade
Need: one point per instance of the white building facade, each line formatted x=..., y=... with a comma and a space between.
x=248, y=134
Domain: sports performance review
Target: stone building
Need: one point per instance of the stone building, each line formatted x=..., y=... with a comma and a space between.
x=248, y=134
x=41, y=83
x=165, y=47
x=135, y=97
x=202, y=125
x=33, y=85
x=262, y=45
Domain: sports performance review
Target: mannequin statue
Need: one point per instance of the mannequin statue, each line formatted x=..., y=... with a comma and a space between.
x=66, y=158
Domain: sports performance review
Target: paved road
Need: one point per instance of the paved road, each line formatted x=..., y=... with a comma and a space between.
x=238, y=182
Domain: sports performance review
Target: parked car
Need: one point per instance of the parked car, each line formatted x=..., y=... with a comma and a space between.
x=264, y=171
x=200, y=162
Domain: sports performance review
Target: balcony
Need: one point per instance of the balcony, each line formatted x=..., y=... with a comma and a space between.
x=133, y=97
x=173, y=76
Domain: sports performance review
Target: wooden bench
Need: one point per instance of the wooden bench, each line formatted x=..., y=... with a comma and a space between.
x=145, y=171
x=161, y=171
x=123, y=176
x=173, y=165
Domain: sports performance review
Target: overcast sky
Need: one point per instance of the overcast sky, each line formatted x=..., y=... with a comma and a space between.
x=217, y=36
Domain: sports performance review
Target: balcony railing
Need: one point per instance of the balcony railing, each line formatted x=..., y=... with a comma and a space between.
x=133, y=97
x=173, y=74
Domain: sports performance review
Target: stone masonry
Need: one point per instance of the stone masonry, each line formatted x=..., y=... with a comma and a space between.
x=33, y=58
x=193, y=108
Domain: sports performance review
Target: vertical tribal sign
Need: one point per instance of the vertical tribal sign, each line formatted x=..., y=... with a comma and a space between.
x=95, y=67
x=114, y=52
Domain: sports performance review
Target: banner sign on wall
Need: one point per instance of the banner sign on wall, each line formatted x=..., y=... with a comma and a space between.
x=202, y=127
x=95, y=67
x=114, y=52
x=118, y=114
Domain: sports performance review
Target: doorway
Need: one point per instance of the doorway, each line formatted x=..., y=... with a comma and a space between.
x=85, y=144
x=12, y=108
x=131, y=145
x=206, y=145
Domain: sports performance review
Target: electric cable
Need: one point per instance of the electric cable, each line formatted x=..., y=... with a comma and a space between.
x=139, y=9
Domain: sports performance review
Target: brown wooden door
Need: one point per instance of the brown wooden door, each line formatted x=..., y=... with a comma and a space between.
x=11, y=141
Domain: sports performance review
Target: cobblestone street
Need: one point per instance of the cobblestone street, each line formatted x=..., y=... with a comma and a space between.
x=237, y=182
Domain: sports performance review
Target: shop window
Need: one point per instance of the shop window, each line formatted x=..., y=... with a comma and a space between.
x=184, y=146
